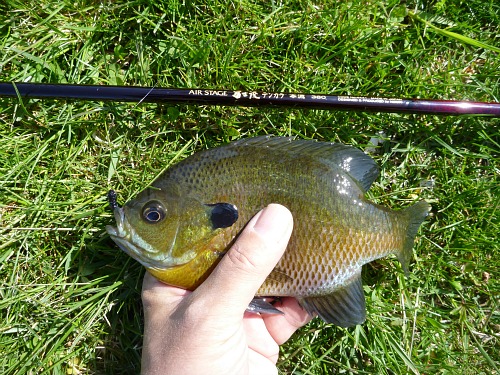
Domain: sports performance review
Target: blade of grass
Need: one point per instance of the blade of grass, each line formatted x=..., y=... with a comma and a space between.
x=450, y=34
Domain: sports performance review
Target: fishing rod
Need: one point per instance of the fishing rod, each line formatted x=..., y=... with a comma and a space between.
x=245, y=98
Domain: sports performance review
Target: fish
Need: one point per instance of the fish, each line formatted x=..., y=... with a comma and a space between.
x=181, y=226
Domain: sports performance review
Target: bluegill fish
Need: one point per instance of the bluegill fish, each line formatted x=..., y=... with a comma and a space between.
x=181, y=226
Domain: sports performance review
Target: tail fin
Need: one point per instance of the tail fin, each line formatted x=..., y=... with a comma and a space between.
x=416, y=214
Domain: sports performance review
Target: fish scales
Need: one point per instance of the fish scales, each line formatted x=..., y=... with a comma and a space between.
x=341, y=247
x=336, y=230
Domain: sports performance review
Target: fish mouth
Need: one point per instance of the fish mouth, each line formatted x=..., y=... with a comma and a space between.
x=117, y=231
x=123, y=235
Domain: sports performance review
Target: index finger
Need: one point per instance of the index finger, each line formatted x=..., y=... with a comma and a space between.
x=281, y=327
x=155, y=293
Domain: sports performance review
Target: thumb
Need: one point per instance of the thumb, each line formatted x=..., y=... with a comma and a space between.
x=248, y=262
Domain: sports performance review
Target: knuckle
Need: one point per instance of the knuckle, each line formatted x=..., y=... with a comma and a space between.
x=242, y=257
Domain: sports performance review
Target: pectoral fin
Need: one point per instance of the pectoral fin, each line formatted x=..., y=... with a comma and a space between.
x=345, y=307
x=279, y=276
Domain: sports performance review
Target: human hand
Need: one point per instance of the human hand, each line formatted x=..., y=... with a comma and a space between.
x=207, y=331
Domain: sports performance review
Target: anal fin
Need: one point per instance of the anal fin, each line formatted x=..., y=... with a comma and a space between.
x=344, y=307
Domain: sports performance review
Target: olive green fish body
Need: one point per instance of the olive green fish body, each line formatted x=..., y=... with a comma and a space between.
x=209, y=197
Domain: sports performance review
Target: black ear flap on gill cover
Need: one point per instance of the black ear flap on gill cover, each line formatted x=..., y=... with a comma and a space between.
x=223, y=215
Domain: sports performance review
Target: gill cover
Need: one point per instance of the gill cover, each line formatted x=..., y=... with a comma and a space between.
x=167, y=228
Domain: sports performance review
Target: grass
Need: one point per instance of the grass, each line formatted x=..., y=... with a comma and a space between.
x=69, y=299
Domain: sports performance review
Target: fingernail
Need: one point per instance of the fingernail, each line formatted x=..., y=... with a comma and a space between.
x=274, y=222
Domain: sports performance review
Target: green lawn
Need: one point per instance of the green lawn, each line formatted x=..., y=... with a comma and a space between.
x=69, y=298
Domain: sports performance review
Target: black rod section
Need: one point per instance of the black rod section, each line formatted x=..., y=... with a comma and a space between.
x=245, y=98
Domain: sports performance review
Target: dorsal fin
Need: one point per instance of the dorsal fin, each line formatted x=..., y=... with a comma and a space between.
x=354, y=162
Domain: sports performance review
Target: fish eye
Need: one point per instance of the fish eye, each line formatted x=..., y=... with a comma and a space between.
x=153, y=212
